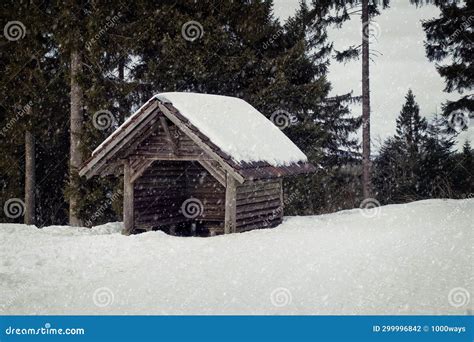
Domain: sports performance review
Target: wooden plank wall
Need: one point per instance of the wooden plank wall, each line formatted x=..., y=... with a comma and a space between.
x=203, y=186
x=259, y=204
x=165, y=185
x=159, y=193
x=157, y=145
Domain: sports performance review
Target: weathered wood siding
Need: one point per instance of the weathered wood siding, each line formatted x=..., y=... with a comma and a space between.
x=186, y=172
x=200, y=184
x=165, y=185
x=157, y=145
x=159, y=193
x=259, y=204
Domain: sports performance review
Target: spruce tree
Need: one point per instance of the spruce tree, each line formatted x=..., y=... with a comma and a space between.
x=437, y=161
x=27, y=58
x=417, y=162
x=449, y=43
x=411, y=126
x=463, y=172
x=341, y=12
x=325, y=129
x=94, y=46
x=399, y=158
x=70, y=35
x=398, y=166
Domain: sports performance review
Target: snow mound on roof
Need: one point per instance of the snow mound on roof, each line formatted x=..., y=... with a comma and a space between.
x=236, y=127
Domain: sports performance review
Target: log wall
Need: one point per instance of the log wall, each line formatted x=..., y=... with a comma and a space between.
x=159, y=193
x=259, y=204
x=204, y=187
x=166, y=185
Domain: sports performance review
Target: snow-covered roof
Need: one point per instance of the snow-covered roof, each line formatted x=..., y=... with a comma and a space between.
x=236, y=127
x=238, y=133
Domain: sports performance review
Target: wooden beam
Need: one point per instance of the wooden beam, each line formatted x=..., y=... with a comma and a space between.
x=147, y=132
x=200, y=143
x=163, y=122
x=111, y=156
x=98, y=160
x=141, y=169
x=175, y=158
x=282, y=201
x=213, y=171
x=230, y=223
x=128, y=215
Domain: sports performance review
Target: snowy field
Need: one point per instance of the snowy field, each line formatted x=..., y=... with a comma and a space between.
x=406, y=259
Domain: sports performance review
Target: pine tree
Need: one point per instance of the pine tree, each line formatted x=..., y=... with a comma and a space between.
x=417, y=162
x=410, y=126
x=389, y=173
x=463, y=172
x=26, y=57
x=326, y=129
x=449, y=42
x=69, y=35
x=342, y=10
x=437, y=162
x=399, y=158
x=94, y=47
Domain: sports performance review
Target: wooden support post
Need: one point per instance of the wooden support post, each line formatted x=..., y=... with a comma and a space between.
x=128, y=219
x=30, y=178
x=282, y=199
x=230, y=205
x=169, y=137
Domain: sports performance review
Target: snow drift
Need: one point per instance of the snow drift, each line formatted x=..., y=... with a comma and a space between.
x=399, y=259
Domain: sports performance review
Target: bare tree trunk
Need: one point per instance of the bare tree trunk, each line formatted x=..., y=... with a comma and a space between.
x=75, y=135
x=30, y=178
x=366, y=172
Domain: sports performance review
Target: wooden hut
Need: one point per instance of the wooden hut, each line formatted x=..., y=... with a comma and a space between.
x=198, y=164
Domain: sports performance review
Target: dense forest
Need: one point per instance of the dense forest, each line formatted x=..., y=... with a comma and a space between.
x=73, y=71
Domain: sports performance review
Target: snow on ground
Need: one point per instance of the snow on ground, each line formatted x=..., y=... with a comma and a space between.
x=408, y=259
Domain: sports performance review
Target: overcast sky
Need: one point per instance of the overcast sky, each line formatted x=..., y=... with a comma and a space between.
x=403, y=65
